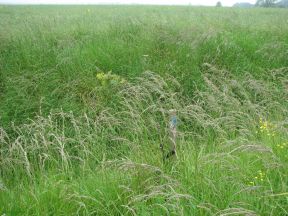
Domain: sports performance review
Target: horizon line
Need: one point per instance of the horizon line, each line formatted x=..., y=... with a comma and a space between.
x=113, y=3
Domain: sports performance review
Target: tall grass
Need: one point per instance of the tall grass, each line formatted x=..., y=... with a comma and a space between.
x=221, y=152
x=76, y=139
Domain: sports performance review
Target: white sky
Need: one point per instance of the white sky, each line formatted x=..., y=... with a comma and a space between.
x=164, y=2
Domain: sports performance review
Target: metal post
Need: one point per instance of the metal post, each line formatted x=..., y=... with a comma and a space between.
x=173, y=133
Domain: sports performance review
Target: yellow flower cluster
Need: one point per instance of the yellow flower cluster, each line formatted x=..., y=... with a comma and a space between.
x=109, y=78
x=259, y=177
x=100, y=76
x=266, y=127
x=283, y=145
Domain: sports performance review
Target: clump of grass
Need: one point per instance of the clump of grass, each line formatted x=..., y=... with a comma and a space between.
x=218, y=144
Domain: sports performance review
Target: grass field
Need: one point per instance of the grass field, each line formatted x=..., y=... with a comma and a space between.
x=85, y=94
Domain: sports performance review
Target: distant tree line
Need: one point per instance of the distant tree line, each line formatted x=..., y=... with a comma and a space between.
x=263, y=3
x=283, y=3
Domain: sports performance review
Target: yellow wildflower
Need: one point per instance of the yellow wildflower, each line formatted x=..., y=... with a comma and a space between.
x=266, y=127
x=100, y=76
x=109, y=78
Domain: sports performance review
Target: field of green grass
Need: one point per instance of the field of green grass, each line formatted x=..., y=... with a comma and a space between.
x=85, y=94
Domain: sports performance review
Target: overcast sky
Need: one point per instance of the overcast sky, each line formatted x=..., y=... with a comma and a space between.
x=166, y=2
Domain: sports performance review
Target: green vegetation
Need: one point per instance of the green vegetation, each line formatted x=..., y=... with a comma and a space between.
x=85, y=94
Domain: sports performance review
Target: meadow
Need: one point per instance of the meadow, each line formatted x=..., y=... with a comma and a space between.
x=85, y=94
